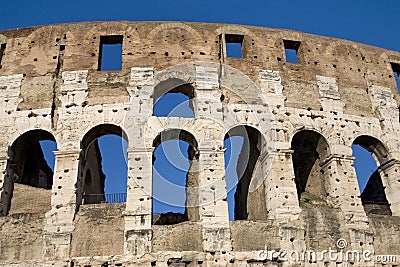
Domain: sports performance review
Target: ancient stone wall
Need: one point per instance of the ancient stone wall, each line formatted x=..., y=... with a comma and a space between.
x=298, y=189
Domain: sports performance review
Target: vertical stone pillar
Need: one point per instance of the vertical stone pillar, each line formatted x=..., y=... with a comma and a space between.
x=208, y=100
x=390, y=179
x=342, y=189
x=10, y=98
x=6, y=185
x=280, y=187
x=271, y=87
x=138, y=213
x=213, y=205
x=330, y=97
x=60, y=218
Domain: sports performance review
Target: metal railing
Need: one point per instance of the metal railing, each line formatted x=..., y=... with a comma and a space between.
x=104, y=198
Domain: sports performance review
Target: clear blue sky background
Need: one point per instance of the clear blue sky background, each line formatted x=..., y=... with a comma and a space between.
x=370, y=22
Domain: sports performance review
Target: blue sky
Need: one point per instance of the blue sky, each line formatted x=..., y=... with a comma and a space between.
x=366, y=21
x=370, y=22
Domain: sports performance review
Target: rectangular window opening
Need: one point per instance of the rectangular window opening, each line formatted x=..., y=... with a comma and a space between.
x=110, y=53
x=2, y=48
x=234, y=45
x=291, y=49
x=396, y=74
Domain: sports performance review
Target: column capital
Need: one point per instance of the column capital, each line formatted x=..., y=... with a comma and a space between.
x=335, y=157
x=389, y=164
x=266, y=154
x=66, y=152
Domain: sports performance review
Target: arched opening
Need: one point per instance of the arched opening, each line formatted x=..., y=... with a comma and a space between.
x=175, y=179
x=243, y=147
x=310, y=150
x=369, y=155
x=29, y=174
x=173, y=98
x=103, y=166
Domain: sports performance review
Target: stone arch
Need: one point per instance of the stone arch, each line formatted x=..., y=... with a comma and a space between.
x=186, y=73
x=331, y=48
x=373, y=145
x=201, y=129
x=98, y=130
x=28, y=178
x=192, y=212
x=174, y=39
x=36, y=47
x=373, y=196
x=310, y=151
x=174, y=85
x=236, y=29
x=114, y=28
x=178, y=25
x=340, y=48
x=90, y=162
x=247, y=167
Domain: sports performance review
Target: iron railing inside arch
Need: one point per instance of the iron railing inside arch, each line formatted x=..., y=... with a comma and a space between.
x=104, y=198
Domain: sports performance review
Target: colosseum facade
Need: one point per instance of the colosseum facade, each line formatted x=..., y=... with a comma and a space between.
x=298, y=191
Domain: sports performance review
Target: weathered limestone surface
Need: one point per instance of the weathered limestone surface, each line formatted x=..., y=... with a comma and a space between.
x=99, y=231
x=298, y=187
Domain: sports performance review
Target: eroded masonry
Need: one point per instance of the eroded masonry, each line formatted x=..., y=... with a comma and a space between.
x=299, y=101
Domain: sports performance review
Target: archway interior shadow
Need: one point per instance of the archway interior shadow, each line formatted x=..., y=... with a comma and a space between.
x=369, y=152
x=103, y=170
x=29, y=176
x=310, y=151
x=243, y=145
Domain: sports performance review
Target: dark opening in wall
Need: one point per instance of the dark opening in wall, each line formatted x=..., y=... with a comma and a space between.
x=243, y=148
x=370, y=158
x=234, y=45
x=396, y=74
x=173, y=98
x=175, y=178
x=110, y=52
x=291, y=49
x=29, y=174
x=103, y=168
x=2, y=48
x=310, y=150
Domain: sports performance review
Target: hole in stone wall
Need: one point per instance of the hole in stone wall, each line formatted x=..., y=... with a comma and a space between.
x=310, y=150
x=110, y=52
x=173, y=98
x=396, y=74
x=243, y=145
x=234, y=45
x=173, y=105
x=103, y=166
x=29, y=174
x=175, y=181
x=2, y=49
x=368, y=153
x=291, y=50
x=233, y=146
